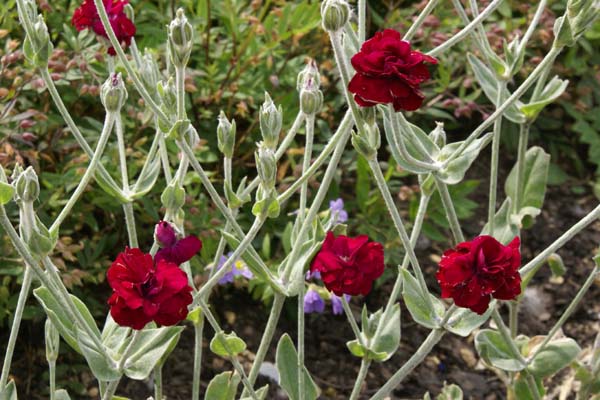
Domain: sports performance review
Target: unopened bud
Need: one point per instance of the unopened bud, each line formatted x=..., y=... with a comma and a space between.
x=168, y=95
x=27, y=186
x=149, y=73
x=311, y=98
x=52, y=338
x=226, y=135
x=309, y=73
x=180, y=39
x=563, y=33
x=37, y=47
x=557, y=266
x=266, y=165
x=438, y=135
x=334, y=14
x=173, y=197
x=270, y=118
x=113, y=93
x=39, y=240
x=165, y=234
x=367, y=141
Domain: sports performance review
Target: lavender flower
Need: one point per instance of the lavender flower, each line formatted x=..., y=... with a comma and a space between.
x=313, y=302
x=239, y=268
x=336, y=304
x=312, y=275
x=338, y=214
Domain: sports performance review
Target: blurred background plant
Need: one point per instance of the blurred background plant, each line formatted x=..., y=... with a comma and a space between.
x=244, y=48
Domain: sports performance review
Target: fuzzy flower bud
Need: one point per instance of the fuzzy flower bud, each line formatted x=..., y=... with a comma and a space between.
x=164, y=234
x=266, y=165
x=367, y=141
x=309, y=73
x=311, y=98
x=52, y=338
x=181, y=35
x=149, y=73
x=334, y=14
x=37, y=47
x=226, y=135
x=113, y=93
x=270, y=118
x=173, y=197
x=168, y=95
x=27, y=186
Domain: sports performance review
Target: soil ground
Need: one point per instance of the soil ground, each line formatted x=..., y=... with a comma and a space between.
x=453, y=360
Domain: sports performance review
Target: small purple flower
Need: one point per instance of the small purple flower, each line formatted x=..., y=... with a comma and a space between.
x=338, y=214
x=336, y=304
x=313, y=302
x=312, y=275
x=239, y=268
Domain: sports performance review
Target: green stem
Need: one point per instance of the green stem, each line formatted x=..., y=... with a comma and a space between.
x=130, y=224
x=16, y=323
x=121, y=54
x=52, y=378
x=393, y=211
x=89, y=173
x=343, y=131
x=362, y=375
x=300, y=361
x=494, y=162
x=569, y=311
x=450, y=211
x=532, y=25
x=548, y=60
x=198, y=331
x=558, y=243
x=236, y=364
x=362, y=22
x=466, y=30
x=158, y=385
x=523, y=139
x=64, y=112
x=310, y=130
x=513, y=318
x=420, y=19
x=122, y=152
x=352, y=321
x=267, y=337
x=432, y=339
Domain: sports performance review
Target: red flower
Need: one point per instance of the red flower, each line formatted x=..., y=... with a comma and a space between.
x=86, y=16
x=388, y=71
x=475, y=271
x=172, y=249
x=144, y=291
x=348, y=265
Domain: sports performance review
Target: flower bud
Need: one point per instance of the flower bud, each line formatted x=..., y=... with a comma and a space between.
x=587, y=12
x=113, y=93
x=309, y=73
x=180, y=39
x=266, y=165
x=438, y=135
x=168, y=95
x=173, y=197
x=226, y=135
x=270, y=118
x=367, y=141
x=164, y=234
x=334, y=14
x=311, y=98
x=52, y=338
x=37, y=47
x=563, y=33
x=149, y=73
x=27, y=186
x=556, y=264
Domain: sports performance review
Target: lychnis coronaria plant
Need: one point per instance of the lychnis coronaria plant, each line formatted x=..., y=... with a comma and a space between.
x=322, y=261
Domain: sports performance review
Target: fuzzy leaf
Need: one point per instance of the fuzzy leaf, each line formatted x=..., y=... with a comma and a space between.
x=152, y=347
x=286, y=359
x=505, y=228
x=222, y=387
x=555, y=356
x=418, y=306
x=227, y=345
x=492, y=348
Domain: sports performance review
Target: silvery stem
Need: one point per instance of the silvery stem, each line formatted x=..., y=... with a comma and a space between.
x=494, y=162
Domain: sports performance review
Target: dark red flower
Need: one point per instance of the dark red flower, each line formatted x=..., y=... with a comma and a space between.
x=145, y=291
x=388, y=71
x=474, y=272
x=172, y=249
x=348, y=265
x=86, y=16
